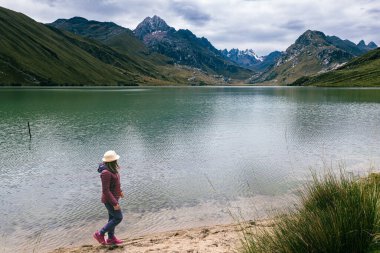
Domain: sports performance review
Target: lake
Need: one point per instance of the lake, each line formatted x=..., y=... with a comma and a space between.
x=189, y=155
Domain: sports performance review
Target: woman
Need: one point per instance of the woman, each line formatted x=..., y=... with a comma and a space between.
x=111, y=192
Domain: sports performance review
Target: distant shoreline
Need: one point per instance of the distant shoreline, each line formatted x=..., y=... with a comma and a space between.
x=188, y=86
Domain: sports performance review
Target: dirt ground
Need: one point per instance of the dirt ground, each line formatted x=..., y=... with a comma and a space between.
x=214, y=239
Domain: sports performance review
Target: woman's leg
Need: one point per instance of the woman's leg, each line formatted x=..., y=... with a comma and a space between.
x=112, y=231
x=115, y=217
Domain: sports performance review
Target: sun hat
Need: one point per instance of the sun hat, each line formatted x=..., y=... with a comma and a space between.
x=110, y=156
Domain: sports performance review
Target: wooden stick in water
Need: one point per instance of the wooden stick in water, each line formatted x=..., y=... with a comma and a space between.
x=30, y=134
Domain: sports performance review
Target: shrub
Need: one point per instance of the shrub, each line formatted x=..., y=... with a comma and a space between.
x=336, y=214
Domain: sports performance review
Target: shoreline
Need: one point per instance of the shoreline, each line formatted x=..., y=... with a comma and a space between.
x=102, y=87
x=204, y=239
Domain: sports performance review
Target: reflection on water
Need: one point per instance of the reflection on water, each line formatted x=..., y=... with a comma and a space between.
x=186, y=153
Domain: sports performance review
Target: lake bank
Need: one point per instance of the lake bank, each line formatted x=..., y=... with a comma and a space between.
x=218, y=238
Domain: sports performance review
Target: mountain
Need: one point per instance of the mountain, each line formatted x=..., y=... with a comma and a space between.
x=151, y=25
x=361, y=71
x=368, y=47
x=117, y=37
x=269, y=60
x=312, y=53
x=186, y=49
x=346, y=45
x=34, y=54
x=249, y=59
x=245, y=58
x=101, y=31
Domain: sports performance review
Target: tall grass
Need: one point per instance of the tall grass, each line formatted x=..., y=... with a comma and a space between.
x=337, y=213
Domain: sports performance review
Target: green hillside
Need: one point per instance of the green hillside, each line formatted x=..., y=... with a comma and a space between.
x=32, y=53
x=361, y=71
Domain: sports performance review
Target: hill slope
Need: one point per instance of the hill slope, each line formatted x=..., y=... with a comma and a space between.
x=361, y=71
x=34, y=54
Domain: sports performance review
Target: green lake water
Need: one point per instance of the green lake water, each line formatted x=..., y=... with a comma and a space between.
x=188, y=155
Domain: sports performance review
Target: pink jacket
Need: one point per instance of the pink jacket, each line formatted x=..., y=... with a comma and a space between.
x=111, y=190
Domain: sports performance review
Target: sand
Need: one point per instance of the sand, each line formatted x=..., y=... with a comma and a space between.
x=211, y=239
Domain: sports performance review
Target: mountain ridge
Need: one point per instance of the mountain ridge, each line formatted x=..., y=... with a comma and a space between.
x=185, y=48
x=78, y=51
x=147, y=44
x=32, y=53
x=249, y=59
x=313, y=52
x=107, y=33
x=360, y=71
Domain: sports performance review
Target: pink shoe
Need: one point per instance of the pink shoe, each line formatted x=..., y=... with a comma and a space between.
x=99, y=238
x=114, y=240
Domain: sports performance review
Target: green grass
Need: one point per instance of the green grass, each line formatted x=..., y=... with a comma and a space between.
x=336, y=214
x=33, y=54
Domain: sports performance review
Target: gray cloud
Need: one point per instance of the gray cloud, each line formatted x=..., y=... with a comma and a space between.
x=263, y=25
x=374, y=11
x=51, y=3
x=294, y=25
x=99, y=7
x=190, y=12
x=240, y=34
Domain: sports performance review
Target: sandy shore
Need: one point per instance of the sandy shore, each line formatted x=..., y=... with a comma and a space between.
x=219, y=238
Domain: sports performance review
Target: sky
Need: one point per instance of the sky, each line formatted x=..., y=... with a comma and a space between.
x=261, y=25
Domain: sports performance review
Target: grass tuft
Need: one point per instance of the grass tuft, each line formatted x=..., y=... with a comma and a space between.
x=337, y=213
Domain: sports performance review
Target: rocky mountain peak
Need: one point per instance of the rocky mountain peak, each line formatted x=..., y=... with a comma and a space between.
x=311, y=37
x=365, y=47
x=237, y=53
x=150, y=25
x=247, y=58
x=372, y=45
x=312, y=52
x=361, y=44
x=368, y=47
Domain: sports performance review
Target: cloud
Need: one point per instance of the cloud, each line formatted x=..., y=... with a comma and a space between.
x=51, y=3
x=263, y=25
x=294, y=25
x=190, y=12
x=374, y=11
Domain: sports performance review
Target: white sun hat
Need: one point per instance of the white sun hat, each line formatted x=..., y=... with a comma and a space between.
x=110, y=156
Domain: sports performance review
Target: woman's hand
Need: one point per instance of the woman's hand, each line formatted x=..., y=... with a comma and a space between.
x=116, y=208
x=122, y=195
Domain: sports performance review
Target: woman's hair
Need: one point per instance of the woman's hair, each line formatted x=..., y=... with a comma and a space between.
x=112, y=166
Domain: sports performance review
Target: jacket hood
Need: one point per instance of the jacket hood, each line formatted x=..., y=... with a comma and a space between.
x=102, y=167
